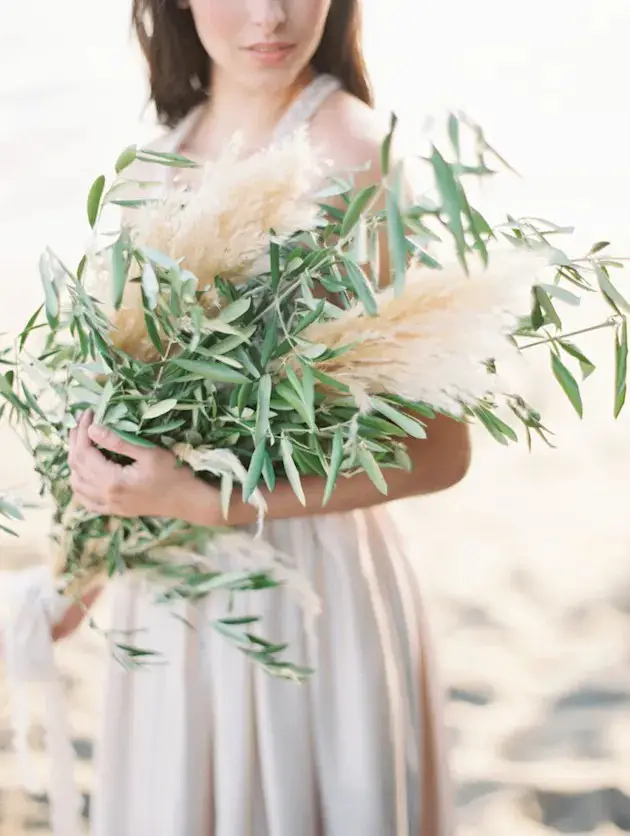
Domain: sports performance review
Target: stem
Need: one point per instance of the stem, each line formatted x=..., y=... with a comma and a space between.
x=607, y=324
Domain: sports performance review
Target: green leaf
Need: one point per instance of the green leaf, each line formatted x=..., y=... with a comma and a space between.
x=398, y=246
x=568, y=384
x=255, y=470
x=561, y=293
x=119, y=272
x=274, y=255
x=600, y=245
x=361, y=287
x=154, y=334
x=125, y=158
x=269, y=474
x=336, y=460
x=159, y=408
x=262, y=413
x=29, y=327
x=572, y=350
x=308, y=388
x=305, y=396
x=235, y=310
x=165, y=158
x=30, y=400
x=270, y=342
x=402, y=459
x=150, y=285
x=8, y=509
x=453, y=133
x=547, y=307
x=499, y=430
x=369, y=464
x=103, y=402
x=292, y=473
x=161, y=259
x=212, y=371
x=285, y=391
x=86, y=381
x=136, y=652
x=94, y=199
x=51, y=295
x=132, y=438
x=386, y=147
x=355, y=210
x=450, y=194
x=621, y=366
x=610, y=292
x=412, y=427
x=330, y=382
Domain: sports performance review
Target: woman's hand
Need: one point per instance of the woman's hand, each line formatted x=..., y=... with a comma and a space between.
x=155, y=485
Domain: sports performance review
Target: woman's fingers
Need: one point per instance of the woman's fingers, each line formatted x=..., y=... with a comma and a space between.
x=85, y=459
x=86, y=488
x=95, y=507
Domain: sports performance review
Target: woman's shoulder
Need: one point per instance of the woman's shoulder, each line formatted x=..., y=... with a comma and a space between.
x=351, y=133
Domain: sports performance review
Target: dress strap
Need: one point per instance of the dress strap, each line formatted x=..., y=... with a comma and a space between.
x=306, y=105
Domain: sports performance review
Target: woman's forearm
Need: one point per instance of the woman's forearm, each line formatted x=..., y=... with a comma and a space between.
x=75, y=615
x=439, y=461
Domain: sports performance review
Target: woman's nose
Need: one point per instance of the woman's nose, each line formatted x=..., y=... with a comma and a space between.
x=269, y=15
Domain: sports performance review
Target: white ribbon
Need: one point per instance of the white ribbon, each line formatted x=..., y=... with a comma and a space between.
x=31, y=605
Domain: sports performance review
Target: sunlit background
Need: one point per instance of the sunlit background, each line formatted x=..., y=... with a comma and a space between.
x=527, y=563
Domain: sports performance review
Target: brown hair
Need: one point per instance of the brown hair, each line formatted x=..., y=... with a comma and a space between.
x=179, y=67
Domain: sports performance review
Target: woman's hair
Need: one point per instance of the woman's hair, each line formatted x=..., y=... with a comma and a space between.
x=179, y=67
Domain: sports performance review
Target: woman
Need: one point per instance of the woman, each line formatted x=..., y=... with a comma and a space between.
x=207, y=744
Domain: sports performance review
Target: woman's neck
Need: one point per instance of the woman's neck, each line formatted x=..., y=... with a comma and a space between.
x=233, y=108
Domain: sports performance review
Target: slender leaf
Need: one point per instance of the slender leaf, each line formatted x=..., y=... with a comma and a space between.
x=568, y=384
x=212, y=371
x=51, y=295
x=361, y=287
x=621, y=366
x=235, y=310
x=119, y=271
x=94, y=199
x=263, y=404
x=126, y=158
x=410, y=425
x=336, y=460
x=572, y=350
x=398, y=245
x=150, y=284
x=453, y=133
x=132, y=438
x=255, y=470
x=359, y=204
x=386, y=147
x=291, y=470
x=545, y=303
x=159, y=408
x=373, y=471
x=610, y=292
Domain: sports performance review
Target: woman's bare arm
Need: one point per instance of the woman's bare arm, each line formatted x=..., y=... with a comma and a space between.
x=75, y=615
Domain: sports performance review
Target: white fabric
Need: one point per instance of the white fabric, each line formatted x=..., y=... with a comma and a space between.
x=206, y=744
x=31, y=606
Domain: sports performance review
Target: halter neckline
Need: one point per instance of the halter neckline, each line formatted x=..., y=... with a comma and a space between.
x=300, y=112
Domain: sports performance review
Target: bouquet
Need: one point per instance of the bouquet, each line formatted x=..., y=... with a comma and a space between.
x=243, y=326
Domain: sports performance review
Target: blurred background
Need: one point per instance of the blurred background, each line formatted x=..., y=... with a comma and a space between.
x=526, y=564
